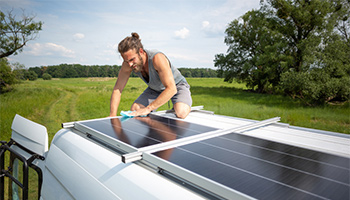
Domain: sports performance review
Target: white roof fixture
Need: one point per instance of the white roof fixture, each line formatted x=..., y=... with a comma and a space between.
x=204, y=156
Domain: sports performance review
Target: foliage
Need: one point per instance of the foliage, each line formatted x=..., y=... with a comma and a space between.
x=25, y=74
x=47, y=76
x=30, y=75
x=286, y=41
x=254, y=55
x=316, y=87
x=39, y=71
x=77, y=70
x=328, y=78
x=7, y=77
x=15, y=33
x=198, y=72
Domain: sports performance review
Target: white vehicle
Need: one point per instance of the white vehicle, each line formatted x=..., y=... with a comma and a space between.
x=205, y=156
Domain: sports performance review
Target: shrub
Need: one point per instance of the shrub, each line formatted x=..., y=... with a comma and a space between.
x=30, y=75
x=316, y=86
x=7, y=77
x=47, y=76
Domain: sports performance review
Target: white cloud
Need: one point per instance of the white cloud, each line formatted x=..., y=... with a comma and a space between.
x=205, y=24
x=49, y=49
x=215, y=30
x=78, y=36
x=182, y=34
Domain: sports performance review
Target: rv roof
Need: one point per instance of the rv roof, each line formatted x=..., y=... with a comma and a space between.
x=231, y=157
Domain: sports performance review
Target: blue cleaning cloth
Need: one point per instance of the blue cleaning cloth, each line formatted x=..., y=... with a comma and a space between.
x=127, y=114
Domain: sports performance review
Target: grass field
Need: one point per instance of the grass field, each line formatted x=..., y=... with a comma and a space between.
x=53, y=102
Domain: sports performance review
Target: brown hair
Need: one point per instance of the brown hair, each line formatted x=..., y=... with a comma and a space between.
x=131, y=42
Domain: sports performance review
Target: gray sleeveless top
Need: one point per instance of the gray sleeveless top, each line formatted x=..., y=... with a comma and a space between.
x=154, y=81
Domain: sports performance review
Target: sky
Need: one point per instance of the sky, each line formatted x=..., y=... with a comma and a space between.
x=87, y=32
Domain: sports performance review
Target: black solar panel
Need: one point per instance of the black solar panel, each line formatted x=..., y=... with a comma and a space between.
x=264, y=169
x=259, y=168
x=145, y=131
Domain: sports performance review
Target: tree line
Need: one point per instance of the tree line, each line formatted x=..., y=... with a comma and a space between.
x=13, y=73
x=78, y=71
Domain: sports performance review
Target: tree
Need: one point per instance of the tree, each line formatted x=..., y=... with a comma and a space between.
x=30, y=75
x=14, y=33
x=256, y=54
x=37, y=70
x=328, y=79
x=19, y=70
x=286, y=38
x=7, y=77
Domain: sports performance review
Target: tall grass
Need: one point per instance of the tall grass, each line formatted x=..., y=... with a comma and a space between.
x=233, y=100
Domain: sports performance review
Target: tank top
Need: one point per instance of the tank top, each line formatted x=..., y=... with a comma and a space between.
x=154, y=81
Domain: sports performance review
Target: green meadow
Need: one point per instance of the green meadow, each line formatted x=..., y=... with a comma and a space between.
x=53, y=102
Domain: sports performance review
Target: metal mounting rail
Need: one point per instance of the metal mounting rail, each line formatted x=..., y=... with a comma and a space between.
x=193, y=109
x=134, y=156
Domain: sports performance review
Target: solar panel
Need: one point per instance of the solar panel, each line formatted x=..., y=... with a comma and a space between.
x=143, y=131
x=228, y=164
x=264, y=169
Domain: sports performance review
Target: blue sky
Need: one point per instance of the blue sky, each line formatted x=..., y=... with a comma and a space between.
x=189, y=32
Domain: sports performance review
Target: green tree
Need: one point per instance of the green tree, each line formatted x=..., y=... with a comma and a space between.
x=15, y=33
x=37, y=70
x=256, y=54
x=185, y=72
x=286, y=41
x=328, y=78
x=19, y=70
x=30, y=75
x=7, y=77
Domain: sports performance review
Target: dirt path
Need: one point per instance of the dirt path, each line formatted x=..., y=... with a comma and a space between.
x=62, y=110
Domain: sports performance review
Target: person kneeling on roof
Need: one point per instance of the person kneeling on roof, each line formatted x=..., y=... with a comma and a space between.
x=164, y=80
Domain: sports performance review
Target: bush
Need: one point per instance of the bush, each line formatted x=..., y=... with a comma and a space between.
x=30, y=75
x=20, y=74
x=316, y=86
x=47, y=76
x=294, y=83
x=7, y=77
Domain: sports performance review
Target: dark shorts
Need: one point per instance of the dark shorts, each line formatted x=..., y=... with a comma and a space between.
x=183, y=95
